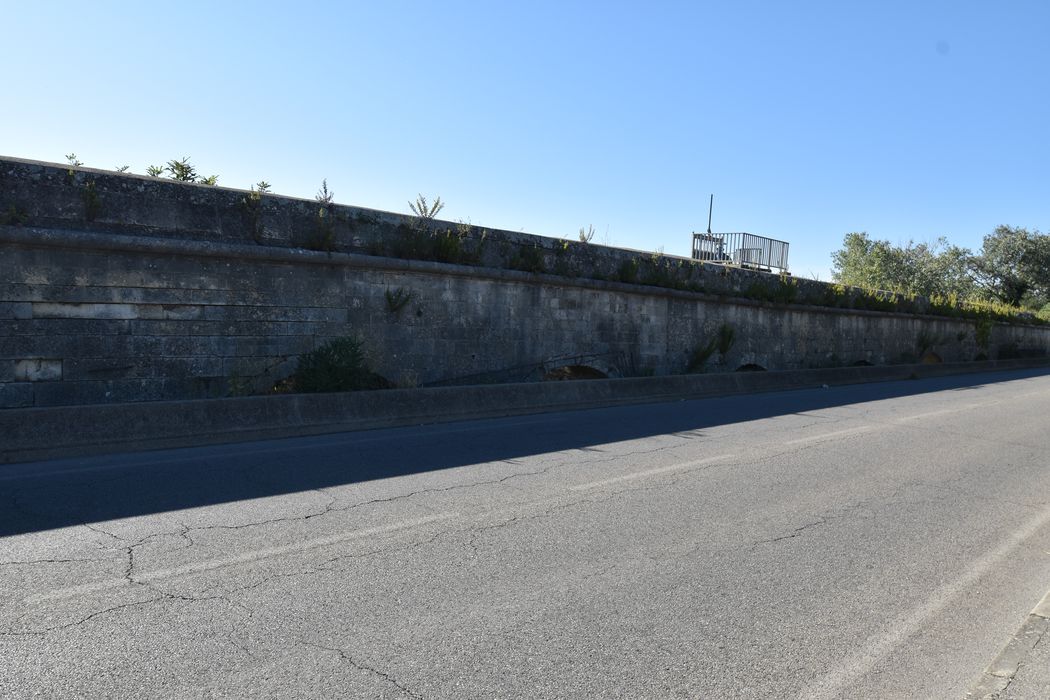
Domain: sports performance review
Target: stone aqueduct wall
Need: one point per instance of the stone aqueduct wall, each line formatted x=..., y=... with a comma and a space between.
x=125, y=288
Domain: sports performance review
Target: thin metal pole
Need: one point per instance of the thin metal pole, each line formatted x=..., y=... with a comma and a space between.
x=710, y=208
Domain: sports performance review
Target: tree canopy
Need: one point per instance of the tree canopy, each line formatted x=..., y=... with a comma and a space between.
x=1012, y=267
x=937, y=269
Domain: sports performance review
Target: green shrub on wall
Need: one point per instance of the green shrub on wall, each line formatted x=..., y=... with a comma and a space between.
x=338, y=365
x=701, y=353
x=15, y=216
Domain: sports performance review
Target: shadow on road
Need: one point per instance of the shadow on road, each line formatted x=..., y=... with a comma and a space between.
x=47, y=495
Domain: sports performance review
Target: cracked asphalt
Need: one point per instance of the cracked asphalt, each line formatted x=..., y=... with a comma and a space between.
x=880, y=541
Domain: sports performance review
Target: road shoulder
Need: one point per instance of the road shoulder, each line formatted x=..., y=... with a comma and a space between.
x=1022, y=669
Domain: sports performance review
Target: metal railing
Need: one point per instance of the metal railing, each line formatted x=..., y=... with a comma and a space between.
x=741, y=249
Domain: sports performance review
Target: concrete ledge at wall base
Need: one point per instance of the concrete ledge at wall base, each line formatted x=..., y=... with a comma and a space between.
x=31, y=434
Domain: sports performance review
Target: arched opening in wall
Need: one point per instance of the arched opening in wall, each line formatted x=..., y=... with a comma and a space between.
x=862, y=363
x=930, y=358
x=569, y=372
x=750, y=367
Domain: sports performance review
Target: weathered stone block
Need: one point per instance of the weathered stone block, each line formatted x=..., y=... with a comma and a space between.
x=171, y=312
x=14, y=395
x=38, y=369
x=15, y=310
x=100, y=311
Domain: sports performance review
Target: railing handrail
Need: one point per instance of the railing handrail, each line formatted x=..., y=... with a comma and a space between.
x=738, y=233
x=741, y=248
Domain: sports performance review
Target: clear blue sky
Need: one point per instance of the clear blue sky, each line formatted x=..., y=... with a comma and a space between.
x=910, y=120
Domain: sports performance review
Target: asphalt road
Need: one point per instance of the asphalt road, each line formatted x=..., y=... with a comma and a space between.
x=876, y=541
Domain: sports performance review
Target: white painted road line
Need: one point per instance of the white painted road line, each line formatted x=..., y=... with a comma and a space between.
x=946, y=411
x=1043, y=608
x=837, y=433
x=858, y=664
x=212, y=564
x=684, y=466
x=896, y=421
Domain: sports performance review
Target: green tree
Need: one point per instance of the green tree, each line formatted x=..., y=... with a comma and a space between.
x=1014, y=266
x=937, y=269
x=863, y=262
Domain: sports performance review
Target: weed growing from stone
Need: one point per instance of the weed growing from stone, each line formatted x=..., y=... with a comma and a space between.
x=76, y=163
x=982, y=333
x=563, y=264
x=925, y=342
x=528, y=258
x=628, y=271
x=251, y=210
x=398, y=299
x=426, y=211
x=323, y=236
x=181, y=170
x=92, y=205
x=726, y=338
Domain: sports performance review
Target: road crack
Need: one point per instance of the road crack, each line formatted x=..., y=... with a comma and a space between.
x=163, y=596
x=33, y=562
x=824, y=519
x=364, y=667
x=794, y=533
